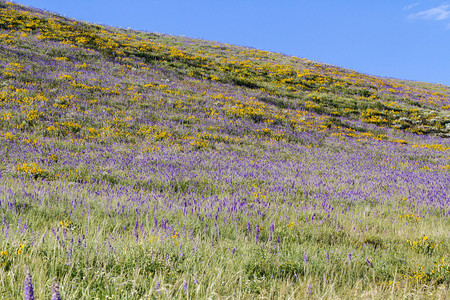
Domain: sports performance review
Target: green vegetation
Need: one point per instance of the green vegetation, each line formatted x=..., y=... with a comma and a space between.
x=145, y=166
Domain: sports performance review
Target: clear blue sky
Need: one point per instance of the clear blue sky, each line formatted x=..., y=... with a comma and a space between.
x=404, y=39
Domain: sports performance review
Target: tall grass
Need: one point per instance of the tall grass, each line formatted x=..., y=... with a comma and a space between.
x=144, y=166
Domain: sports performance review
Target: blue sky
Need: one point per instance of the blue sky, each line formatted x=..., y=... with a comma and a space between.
x=401, y=39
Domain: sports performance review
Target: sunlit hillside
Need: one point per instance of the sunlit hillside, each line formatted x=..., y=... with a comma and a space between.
x=137, y=165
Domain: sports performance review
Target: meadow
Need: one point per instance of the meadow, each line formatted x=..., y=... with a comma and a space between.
x=136, y=165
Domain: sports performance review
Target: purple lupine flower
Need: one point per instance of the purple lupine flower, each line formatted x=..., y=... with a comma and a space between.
x=305, y=258
x=368, y=262
x=349, y=257
x=136, y=225
x=232, y=251
x=28, y=287
x=327, y=257
x=69, y=255
x=55, y=290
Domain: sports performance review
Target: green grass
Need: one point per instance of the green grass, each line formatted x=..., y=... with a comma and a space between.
x=145, y=166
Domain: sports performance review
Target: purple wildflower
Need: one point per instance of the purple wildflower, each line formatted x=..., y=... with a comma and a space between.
x=55, y=290
x=28, y=287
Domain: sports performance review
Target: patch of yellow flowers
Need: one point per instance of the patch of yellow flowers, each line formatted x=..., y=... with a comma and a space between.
x=5, y=254
x=424, y=245
x=31, y=169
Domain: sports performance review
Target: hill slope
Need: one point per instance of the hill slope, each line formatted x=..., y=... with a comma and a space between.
x=210, y=169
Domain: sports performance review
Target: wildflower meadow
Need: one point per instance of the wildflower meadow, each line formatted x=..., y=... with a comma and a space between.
x=136, y=165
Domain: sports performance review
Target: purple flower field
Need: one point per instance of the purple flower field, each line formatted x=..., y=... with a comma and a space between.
x=136, y=165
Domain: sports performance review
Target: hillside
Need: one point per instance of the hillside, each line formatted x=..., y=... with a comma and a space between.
x=138, y=165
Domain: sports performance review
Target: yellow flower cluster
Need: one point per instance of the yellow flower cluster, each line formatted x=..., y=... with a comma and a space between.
x=65, y=224
x=411, y=217
x=33, y=115
x=156, y=132
x=8, y=136
x=424, y=245
x=21, y=247
x=439, y=270
x=31, y=169
x=199, y=143
x=438, y=147
x=440, y=267
x=5, y=256
x=373, y=116
x=64, y=128
x=12, y=69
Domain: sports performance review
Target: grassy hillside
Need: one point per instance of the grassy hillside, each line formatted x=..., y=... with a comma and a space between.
x=144, y=166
